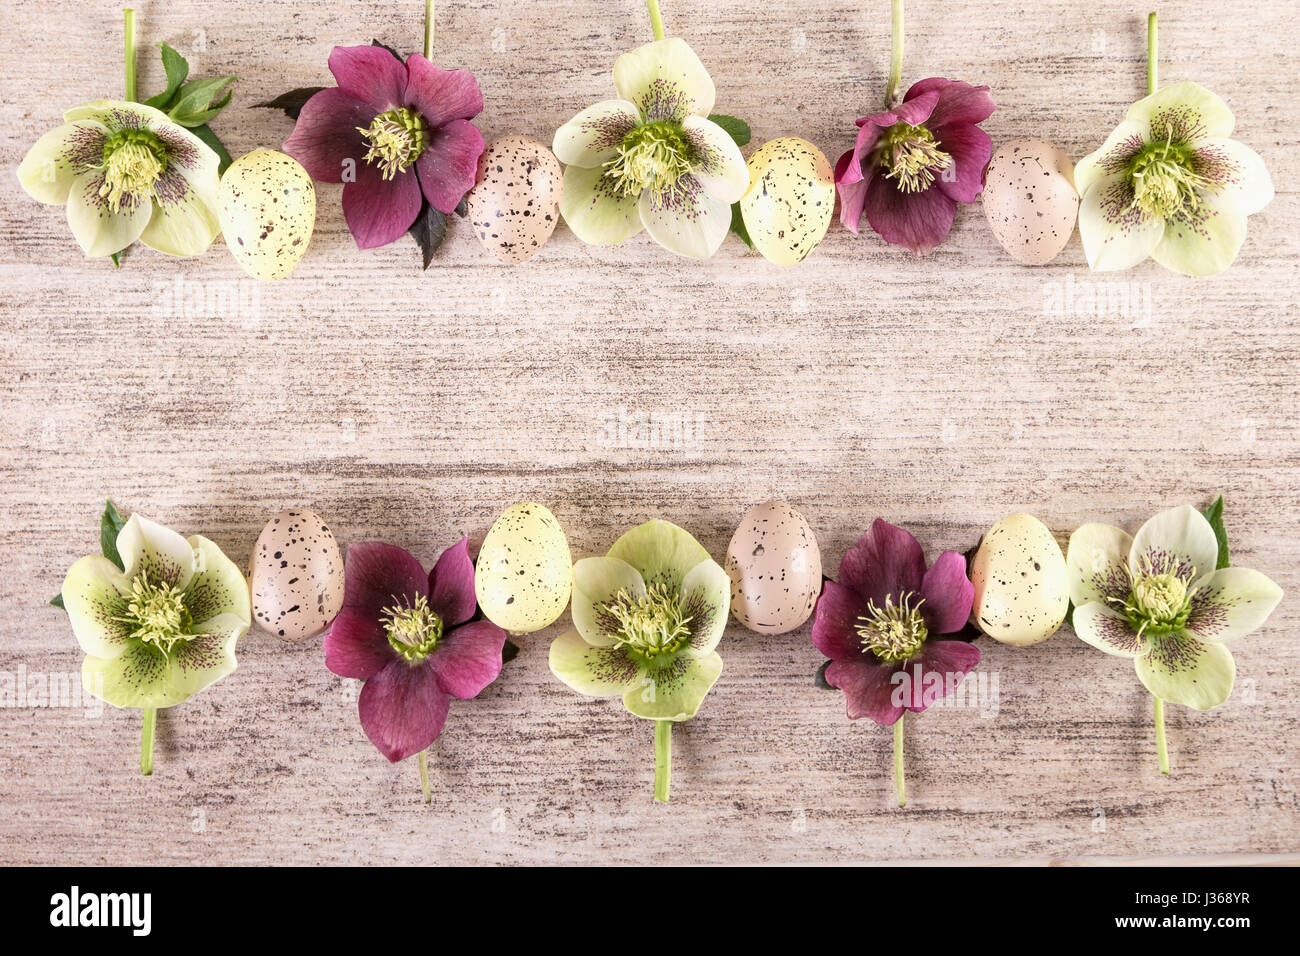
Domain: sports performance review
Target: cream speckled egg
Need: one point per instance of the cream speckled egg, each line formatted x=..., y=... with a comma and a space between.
x=787, y=208
x=775, y=568
x=297, y=576
x=524, y=572
x=515, y=203
x=267, y=206
x=1030, y=200
x=1022, y=588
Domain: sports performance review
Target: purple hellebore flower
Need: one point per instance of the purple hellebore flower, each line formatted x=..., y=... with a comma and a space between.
x=405, y=634
x=889, y=615
x=395, y=133
x=912, y=164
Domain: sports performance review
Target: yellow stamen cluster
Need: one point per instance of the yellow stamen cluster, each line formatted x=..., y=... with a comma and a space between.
x=654, y=157
x=133, y=161
x=653, y=625
x=156, y=613
x=896, y=631
x=911, y=157
x=413, y=631
x=397, y=138
x=1166, y=183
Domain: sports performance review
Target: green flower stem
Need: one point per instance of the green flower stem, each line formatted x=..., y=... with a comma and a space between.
x=1153, y=63
x=146, y=741
x=900, y=781
x=128, y=22
x=423, y=760
x=657, y=25
x=663, y=758
x=428, y=36
x=1162, y=749
x=896, y=57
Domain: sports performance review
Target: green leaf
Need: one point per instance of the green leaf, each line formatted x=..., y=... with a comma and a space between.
x=820, y=680
x=57, y=601
x=223, y=156
x=428, y=230
x=194, y=104
x=1214, y=515
x=738, y=226
x=1069, y=615
x=291, y=102
x=109, y=525
x=178, y=68
x=737, y=129
x=117, y=259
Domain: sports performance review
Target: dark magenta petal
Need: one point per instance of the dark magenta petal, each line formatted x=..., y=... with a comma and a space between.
x=971, y=149
x=378, y=576
x=886, y=561
x=868, y=688
x=853, y=191
x=958, y=102
x=449, y=166
x=380, y=210
x=948, y=594
x=937, y=672
x=325, y=136
x=403, y=709
x=834, y=630
x=469, y=658
x=356, y=645
x=914, y=110
x=370, y=74
x=451, y=585
x=918, y=221
x=441, y=96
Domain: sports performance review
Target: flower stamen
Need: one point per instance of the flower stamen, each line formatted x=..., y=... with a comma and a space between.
x=1165, y=181
x=134, y=160
x=397, y=138
x=896, y=631
x=654, y=157
x=1158, y=602
x=156, y=614
x=911, y=157
x=653, y=626
x=413, y=631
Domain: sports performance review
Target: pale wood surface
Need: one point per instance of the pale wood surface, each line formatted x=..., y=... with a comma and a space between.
x=414, y=407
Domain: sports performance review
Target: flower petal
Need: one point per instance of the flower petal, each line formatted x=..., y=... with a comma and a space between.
x=1183, y=670
x=99, y=230
x=1202, y=241
x=403, y=709
x=595, y=582
x=1178, y=541
x=958, y=101
x=1097, y=560
x=852, y=189
x=146, y=547
x=834, y=630
x=56, y=159
x=1230, y=603
x=370, y=74
x=594, y=210
x=218, y=588
x=686, y=221
x=1122, y=145
x=137, y=677
x=948, y=594
x=468, y=659
x=439, y=95
x=594, y=671
x=200, y=662
x=661, y=552
x=971, y=149
x=674, y=692
x=1238, y=174
x=593, y=137
x=356, y=644
x=448, y=166
x=887, y=561
x=1115, y=233
x=451, y=585
x=665, y=80
x=937, y=672
x=1183, y=113
x=184, y=220
x=94, y=597
x=118, y=115
x=706, y=598
x=868, y=687
x=1107, y=630
x=379, y=210
x=378, y=576
x=716, y=160
x=919, y=221
x=326, y=138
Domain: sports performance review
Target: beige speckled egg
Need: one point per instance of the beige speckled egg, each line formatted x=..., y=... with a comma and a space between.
x=775, y=568
x=524, y=572
x=515, y=203
x=1022, y=588
x=1030, y=200
x=267, y=206
x=787, y=208
x=297, y=576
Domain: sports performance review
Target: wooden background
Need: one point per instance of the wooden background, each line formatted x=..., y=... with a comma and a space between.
x=413, y=407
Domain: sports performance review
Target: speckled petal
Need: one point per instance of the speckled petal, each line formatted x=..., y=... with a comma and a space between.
x=135, y=678
x=662, y=552
x=716, y=161
x=1240, y=179
x=594, y=671
x=1231, y=603
x=451, y=585
x=1122, y=145
x=1115, y=233
x=119, y=114
x=1185, y=671
x=93, y=594
x=163, y=555
x=218, y=589
x=468, y=659
x=1183, y=113
x=97, y=228
x=199, y=663
x=56, y=159
x=1097, y=561
x=706, y=598
x=1108, y=630
x=184, y=220
x=665, y=80
x=674, y=692
x=1202, y=241
x=686, y=221
x=403, y=709
x=1178, y=541
x=595, y=582
x=593, y=137
x=594, y=210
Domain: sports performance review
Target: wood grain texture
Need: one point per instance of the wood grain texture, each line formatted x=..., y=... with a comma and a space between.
x=413, y=407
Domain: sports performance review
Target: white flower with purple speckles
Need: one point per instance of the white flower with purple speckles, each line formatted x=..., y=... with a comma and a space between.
x=1169, y=183
x=126, y=172
x=652, y=159
x=1156, y=597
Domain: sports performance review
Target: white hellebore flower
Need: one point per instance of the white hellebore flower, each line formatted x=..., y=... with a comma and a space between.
x=1156, y=597
x=1170, y=184
x=651, y=158
x=127, y=172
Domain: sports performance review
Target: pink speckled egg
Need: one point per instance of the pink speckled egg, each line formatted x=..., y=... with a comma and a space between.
x=1030, y=200
x=515, y=205
x=775, y=568
x=297, y=576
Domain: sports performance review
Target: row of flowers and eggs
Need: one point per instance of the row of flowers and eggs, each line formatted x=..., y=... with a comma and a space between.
x=1168, y=183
